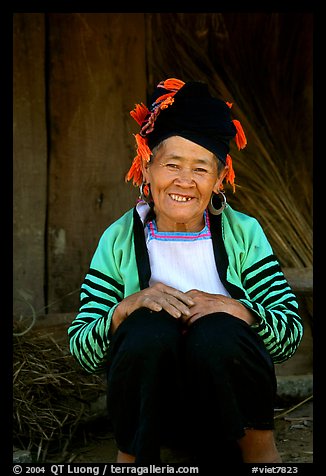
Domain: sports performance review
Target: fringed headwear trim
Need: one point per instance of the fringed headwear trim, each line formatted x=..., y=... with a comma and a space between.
x=146, y=119
x=187, y=110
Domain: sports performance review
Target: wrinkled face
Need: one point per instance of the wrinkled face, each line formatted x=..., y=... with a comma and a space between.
x=182, y=176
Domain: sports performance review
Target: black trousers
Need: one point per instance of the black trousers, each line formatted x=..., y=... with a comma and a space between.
x=197, y=389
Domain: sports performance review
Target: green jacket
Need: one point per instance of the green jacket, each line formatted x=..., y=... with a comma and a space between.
x=246, y=265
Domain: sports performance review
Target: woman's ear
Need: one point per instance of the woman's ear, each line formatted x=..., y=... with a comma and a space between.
x=218, y=184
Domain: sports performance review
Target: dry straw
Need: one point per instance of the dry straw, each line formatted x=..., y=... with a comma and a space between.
x=51, y=395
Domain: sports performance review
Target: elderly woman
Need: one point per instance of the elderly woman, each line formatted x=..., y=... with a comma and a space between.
x=184, y=304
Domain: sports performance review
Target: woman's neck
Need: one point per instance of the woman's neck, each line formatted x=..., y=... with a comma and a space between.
x=192, y=226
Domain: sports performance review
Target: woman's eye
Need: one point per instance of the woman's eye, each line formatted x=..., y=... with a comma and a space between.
x=172, y=166
x=199, y=169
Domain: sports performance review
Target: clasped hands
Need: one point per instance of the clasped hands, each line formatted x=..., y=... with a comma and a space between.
x=187, y=306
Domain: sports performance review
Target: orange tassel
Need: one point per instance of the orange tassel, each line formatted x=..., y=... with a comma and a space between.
x=139, y=113
x=173, y=83
x=240, y=137
x=146, y=190
x=230, y=176
x=143, y=155
x=135, y=172
x=167, y=102
x=142, y=148
x=166, y=99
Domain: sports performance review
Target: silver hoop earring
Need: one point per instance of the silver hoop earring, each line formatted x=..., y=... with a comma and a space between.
x=145, y=198
x=212, y=209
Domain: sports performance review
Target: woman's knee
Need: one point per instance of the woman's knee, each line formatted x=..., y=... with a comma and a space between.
x=226, y=346
x=146, y=333
x=215, y=336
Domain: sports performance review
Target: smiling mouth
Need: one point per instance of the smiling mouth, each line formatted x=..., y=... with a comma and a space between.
x=180, y=198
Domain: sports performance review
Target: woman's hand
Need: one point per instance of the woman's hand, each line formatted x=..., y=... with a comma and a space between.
x=157, y=297
x=206, y=303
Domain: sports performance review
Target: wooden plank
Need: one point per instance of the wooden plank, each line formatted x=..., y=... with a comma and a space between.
x=54, y=320
x=29, y=161
x=300, y=279
x=97, y=74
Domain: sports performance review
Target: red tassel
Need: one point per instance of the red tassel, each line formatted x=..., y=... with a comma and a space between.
x=146, y=190
x=230, y=176
x=240, y=137
x=139, y=113
x=166, y=100
x=143, y=155
x=173, y=83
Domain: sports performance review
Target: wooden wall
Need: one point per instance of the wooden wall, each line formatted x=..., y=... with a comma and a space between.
x=29, y=160
x=76, y=77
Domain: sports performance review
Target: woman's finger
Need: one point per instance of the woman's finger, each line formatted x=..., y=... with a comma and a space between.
x=183, y=297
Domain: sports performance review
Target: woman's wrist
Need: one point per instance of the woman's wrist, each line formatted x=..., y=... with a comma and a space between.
x=116, y=319
x=245, y=314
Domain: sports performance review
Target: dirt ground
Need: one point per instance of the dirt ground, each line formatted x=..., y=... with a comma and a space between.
x=293, y=431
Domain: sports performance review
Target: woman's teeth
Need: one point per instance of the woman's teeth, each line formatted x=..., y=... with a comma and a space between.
x=179, y=198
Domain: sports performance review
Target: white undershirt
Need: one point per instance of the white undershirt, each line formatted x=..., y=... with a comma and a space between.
x=182, y=260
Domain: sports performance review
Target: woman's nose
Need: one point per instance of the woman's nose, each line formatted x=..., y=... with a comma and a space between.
x=185, y=176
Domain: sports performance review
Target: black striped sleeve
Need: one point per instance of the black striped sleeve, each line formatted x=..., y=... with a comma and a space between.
x=89, y=332
x=272, y=299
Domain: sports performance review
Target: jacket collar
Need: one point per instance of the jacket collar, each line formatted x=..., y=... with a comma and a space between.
x=221, y=257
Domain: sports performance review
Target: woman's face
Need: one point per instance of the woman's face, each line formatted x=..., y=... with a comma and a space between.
x=182, y=177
